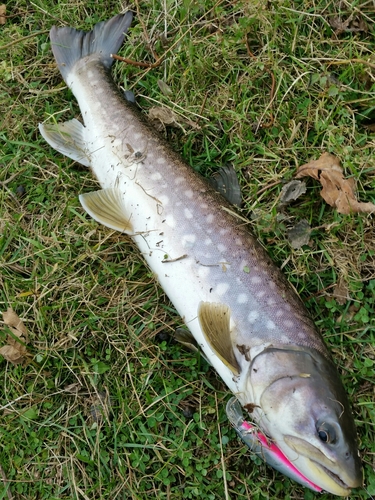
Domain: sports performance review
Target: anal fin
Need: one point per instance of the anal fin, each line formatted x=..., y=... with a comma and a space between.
x=215, y=322
x=67, y=138
x=107, y=207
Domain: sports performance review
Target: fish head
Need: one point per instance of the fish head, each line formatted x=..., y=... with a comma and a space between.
x=303, y=408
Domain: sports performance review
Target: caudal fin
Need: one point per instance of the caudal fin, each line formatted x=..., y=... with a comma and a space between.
x=70, y=45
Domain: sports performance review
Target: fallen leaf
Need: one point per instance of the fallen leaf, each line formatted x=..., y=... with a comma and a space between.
x=291, y=191
x=352, y=24
x=13, y=354
x=164, y=88
x=2, y=13
x=15, y=324
x=336, y=191
x=340, y=293
x=15, y=351
x=165, y=115
x=299, y=235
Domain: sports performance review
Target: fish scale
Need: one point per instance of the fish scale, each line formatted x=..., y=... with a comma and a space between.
x=249, y=322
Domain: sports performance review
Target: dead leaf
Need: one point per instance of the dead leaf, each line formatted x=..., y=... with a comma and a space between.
x=299, y=235
x=164, y=88
x=165, y=115
x=15, y=324
x=2, y=13
x=291, y=192
x=162, y=116
x=340, y=292
x=15, y=351
x=336, y=191
x=352, y=24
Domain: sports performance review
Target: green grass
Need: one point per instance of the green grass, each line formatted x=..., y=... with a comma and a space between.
x=110, y=407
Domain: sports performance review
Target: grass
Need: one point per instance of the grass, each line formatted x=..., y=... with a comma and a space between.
x=110, y=407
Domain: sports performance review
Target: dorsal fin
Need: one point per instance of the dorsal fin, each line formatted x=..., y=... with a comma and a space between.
x=215, y=322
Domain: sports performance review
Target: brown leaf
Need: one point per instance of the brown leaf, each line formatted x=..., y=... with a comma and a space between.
x=299, y=235
x=15, y=350
x=14, y=353
x=2, y=13
x=165, y=115
x=340, y=293
x=336, y=191
x=15, y=324
x=352, y=24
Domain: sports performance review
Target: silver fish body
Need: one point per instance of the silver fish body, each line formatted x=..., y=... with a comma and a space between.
x=250, y=324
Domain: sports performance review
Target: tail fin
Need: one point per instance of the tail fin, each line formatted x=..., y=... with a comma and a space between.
x=70, y=45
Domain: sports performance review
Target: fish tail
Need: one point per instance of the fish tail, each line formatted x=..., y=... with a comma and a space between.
x=70, y=45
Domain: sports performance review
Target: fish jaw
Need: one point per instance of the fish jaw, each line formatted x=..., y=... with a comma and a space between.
x=266, y=449
x=301, y=404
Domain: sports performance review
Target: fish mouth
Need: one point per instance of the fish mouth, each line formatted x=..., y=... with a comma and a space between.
x=317, y=467
x=333, y=476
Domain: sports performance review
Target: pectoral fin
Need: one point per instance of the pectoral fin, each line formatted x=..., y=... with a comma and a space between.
x=215, y=323
x=187, y=339
x=107, y=207
x=68, y=138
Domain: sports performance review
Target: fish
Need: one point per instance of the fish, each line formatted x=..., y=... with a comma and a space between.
x=243, y=314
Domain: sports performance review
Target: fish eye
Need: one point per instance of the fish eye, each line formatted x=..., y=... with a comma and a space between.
x=326, y=433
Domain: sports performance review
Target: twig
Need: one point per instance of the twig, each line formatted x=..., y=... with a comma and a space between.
x=139, y=64
x=19, y=40
x=3, y=183
x=159, y=60
x=269, y=186
x=355, y=60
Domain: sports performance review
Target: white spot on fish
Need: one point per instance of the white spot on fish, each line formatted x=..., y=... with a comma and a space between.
x=164, y=199
x=242, y=298
x=221, y=288
x=238, y=242
x=271, y=301
x=222, y=248
x=188, y=214
x=188, y=240
x=260, y=294
x=255, y=280
x=156, y=176
x=208, y=241
x=279, y=313
x=138, y=136
x=178, y=180
x=270, y=325
x=288, y=323
x=160, y=160
x=203, y=271
x=189, y=193
x=223, y=232
x=253, y=316
x=170, y=221
x=210, y=218
x=204, y=206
